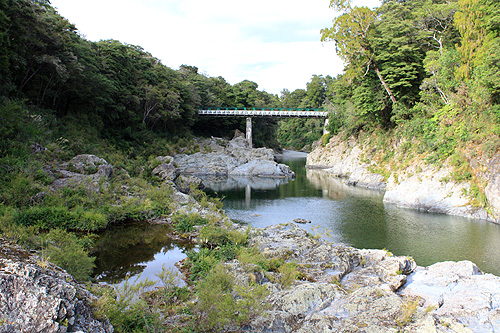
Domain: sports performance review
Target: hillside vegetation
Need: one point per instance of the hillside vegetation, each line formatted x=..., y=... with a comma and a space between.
x=421, y=80
x=62, y=95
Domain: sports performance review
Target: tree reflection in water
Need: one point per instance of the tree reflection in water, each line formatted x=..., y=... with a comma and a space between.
x=127, y=249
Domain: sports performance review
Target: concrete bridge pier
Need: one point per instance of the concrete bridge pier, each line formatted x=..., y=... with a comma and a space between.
x=249, y=131
x=325, y=130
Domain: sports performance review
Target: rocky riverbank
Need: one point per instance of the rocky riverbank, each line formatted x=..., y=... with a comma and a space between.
x=37, y=296
x=343, y=289
x=419, y=186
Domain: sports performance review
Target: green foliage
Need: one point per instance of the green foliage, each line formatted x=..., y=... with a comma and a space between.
x=216, y=244
x=325, y=139
x=68, y=251
x=186, y=222
x=27, y=236
x=223, y=304
x=407, y=312
x=125, y=308
x=61, y=217
x=289, y=274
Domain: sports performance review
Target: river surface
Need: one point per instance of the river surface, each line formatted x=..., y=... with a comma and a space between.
x=337, y=212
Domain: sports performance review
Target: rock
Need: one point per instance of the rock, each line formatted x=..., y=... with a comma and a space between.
x=428, y=191
x=460, y=291
x=238, y=134
x=238, y=142
x=302, y=221
x=85, y=169
x=184, y=183
x=262, y=168
x=235, y=159
x=344, y=159
x=492, y=190
x=166, y=170
x=419, y=186
x=344, y=289
x=40, y=297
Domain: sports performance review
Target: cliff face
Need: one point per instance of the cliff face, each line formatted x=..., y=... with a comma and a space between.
x=345, y=160
x=37, y=296
x=419, y=186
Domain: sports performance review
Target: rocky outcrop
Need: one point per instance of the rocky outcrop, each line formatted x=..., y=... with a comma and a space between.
x=344, y=289
x=345, y=160
x=419, y=186
x=428, y=191
x=87, y=170
x=234, y=159
x=492, y=190
x=458, y=290
x=37, y=296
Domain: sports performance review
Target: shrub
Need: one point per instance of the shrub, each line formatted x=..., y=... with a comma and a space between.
x=186, y=222
x=61, y=217
x=222, y=304
x=289, y=274
x=125, y=308
x=67, y=251
x=14, y=232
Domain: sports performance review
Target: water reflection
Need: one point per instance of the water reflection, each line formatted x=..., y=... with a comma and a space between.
x=219, y=184
x=359, y=217
x=351, y=215
x=335, y=188
x=135, y=249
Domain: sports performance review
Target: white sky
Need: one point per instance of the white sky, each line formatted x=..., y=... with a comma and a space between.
x=275, y=43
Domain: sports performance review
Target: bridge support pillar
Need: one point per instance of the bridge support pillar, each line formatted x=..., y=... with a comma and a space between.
x=325, y=130
x=249, y=131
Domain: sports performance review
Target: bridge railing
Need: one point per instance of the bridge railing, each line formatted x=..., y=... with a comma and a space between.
x=263, y=112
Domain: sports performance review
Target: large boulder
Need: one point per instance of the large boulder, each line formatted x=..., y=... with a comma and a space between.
x=166, y=170
x=87, y=170
x=184, y=183
x=458, y=290
x=235, y=159
x=40, y=297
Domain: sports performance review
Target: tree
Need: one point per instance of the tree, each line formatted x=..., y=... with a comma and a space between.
x=353, y=33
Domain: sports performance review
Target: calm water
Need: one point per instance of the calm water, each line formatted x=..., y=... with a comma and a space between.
x=359, y=217
x=341, y=213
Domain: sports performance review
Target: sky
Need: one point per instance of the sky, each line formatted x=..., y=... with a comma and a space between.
x=275, y=43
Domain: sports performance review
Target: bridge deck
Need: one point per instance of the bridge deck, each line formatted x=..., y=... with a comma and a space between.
x=265, y=112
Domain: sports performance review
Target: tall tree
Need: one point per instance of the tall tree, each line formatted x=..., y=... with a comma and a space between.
x=353, y=33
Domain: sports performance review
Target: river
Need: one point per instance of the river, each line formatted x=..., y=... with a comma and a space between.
x=337, y=212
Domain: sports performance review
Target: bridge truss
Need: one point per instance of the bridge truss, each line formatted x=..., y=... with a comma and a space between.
x=264, y=112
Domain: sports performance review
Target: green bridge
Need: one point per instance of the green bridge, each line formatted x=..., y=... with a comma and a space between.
x=264, y=112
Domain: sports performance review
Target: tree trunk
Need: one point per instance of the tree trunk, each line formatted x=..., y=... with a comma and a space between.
x=389, y=92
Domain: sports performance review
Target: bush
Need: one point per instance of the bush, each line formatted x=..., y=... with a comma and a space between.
x=223, y=305
x=67, y=251
x=186, y=222
x=61, y=217
x=10, y=230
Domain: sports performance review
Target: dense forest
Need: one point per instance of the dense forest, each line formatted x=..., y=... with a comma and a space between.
x=119, y=92
x=426, y=70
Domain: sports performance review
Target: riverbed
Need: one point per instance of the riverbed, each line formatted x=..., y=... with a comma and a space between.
x=337, y=212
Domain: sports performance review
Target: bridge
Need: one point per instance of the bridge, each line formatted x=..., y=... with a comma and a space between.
x=264, y=112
